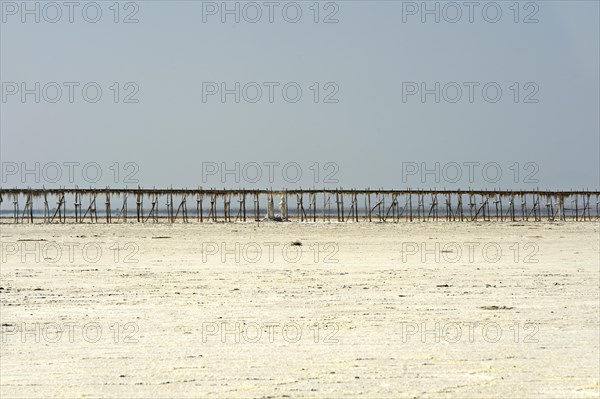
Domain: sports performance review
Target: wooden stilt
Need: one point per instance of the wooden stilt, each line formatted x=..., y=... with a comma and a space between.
x=244, y=204
x=107, y=204
x=46, y=209
x=139, y=210
x=16, y=207
x=410, y=206
x=123, y=211
x=314, y=206
x=325, y=194
x=200, y=206
x=342, y=207
x=256, y=207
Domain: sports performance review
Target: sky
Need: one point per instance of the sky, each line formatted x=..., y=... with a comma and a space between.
x=352, y=94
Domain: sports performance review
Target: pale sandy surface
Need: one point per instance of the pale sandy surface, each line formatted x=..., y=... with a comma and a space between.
x=171, y=293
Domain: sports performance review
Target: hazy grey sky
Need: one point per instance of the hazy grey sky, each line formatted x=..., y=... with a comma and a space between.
x=361, y=119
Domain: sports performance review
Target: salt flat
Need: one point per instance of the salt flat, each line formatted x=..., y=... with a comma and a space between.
x=357, y=310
